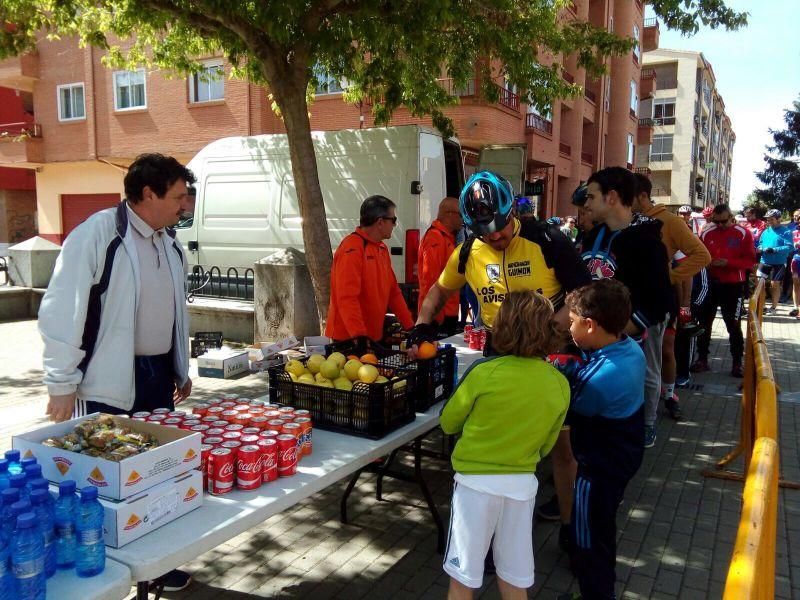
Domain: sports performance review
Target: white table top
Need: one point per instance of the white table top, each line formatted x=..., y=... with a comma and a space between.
x=114, y=583
x=221, y=518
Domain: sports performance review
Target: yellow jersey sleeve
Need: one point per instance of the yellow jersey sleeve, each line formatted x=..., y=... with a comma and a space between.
x=451, y=279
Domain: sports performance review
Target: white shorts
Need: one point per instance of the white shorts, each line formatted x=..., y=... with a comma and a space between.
x=474, y=519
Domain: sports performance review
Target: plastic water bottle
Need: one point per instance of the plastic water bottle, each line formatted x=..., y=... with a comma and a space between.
x=18, y=481
x=6, y=576
x=4, y=475
x=32, y=472
x=90, y=557
x=9, y=497
x=43, y=508
x=12, y=456
x=27, y=559
x=28, y=461
x=65, y=510
x=39, y=484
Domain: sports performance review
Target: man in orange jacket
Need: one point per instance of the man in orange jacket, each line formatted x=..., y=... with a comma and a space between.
x=436, y=247
x=363, y=285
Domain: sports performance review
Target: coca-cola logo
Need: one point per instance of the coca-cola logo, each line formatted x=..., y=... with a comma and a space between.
x=249, y=466
x=288, y=455
x=226, y=470
x=269, y=460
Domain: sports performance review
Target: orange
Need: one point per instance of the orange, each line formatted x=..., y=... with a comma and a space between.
x=426, y=350
x=369, y=358
x=352, y=357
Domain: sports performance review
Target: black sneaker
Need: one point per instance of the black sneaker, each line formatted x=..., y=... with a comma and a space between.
x=673, y=408
x=174, y=581
x=549, y=511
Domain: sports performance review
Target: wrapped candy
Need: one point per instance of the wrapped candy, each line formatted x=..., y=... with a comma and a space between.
x=103, y=438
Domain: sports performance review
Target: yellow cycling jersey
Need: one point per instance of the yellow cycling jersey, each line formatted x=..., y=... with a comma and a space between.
x=521, y=266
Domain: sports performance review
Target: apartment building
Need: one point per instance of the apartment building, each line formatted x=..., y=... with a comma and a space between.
x=687, y=147
x=88, y=122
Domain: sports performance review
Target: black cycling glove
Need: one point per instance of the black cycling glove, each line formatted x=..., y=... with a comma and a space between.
x=422, y=332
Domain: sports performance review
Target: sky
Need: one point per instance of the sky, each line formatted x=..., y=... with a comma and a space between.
x=758, y=76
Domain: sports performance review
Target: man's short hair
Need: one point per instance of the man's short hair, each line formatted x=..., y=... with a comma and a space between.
x=643, y=184
x=373, y=208
x=606, y=301
x=156, y=171
x=721, y=209
x=618, y=179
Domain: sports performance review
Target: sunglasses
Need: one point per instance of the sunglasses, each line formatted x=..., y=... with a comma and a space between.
x=392, y=219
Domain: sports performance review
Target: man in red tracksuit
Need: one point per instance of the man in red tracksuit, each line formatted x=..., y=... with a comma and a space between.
x=363, y=284
x=732, y=257
x=435, y=249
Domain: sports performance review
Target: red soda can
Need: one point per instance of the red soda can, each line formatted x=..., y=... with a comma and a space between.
x=242, y=419
x=233, y=445
x=272, y=414
x=172, y=422
x=142, y=414
x=192, y=422
x=269, y=434
x=256, y=404
x=200, y=428
x=248, y=467
x=287, y=455
x=258, y=423
x=467, y=330
x=184, y=426
x=269, y=459
x=215, y=410
x=251, y=431
x=302, y=413
x=228, y=404
x=214, y=401
x=179, y=414
x=157, y=419
x=228, y=397
x=213, y=440
x=229, y=415
x=220, y=423
x=286, y=409
x=256, y=411
x=286, y=417
x=296, y=430
x=208, y=419
x=232, y=435
x=483, y=338
x=142, y=419
x=305, y=435
x=205, y=452
x=474, y=339
x=161, y=411
x=215, y=431
x=200, y=410
x=221, y=467
x=233, y=427
x=275, y=424
x=242, y=408
x=248, y=440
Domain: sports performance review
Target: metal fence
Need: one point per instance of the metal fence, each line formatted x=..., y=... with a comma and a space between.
x=209, y=282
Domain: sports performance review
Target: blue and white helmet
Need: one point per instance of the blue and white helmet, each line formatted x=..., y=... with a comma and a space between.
x=773, y=212
x=486, y=202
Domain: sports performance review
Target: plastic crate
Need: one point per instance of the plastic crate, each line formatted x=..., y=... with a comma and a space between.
x=434, y=376
x=368, y=410
x=205, y=340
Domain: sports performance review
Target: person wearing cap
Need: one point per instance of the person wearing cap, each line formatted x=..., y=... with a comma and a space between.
x=435, y=248
x=363, y=284
x=583, y=222
x=775, y=245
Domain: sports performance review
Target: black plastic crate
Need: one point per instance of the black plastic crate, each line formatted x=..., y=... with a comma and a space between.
x=205, y=340
x=434, y=376
x=368, y=410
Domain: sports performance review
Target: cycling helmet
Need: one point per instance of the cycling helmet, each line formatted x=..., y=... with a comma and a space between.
x=707, y=212
x=523, y=205
x=486, y=202
x=774, y=212
x=579, y=195
x=685, y=210
x=554, y=221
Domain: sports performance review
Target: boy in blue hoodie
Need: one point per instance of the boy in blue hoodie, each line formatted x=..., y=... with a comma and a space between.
x=606, y=419
x=774, y=245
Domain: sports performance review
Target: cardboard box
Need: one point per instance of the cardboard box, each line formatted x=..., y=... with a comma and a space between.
x=316, y=344
x=285, y=344
x=130, y=519
x=178, y=452
x=222, y=363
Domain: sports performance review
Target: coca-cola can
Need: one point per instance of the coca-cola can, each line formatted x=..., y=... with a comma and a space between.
x=228, y=397
x=192, y=422
x=272, y=414
x=216, y=431
x=483, y=338
x=161, y=411
x=257, y=411
x=229, y=415
x=202, y=428
x=269, y=434
x=214, y=402
x=287, y=455
x=179, y=414
x=256, y=403
x=201, y=410
x=242, y=419
x=205, y=452
x=275, y=424
x=269, y=459
x=233, y=445
x=220, y=423
x=208, y=419
x=251, y=431
x=475, y=339
x=221, y=467
x=467, y=330
x=158, y=419
x=142, y=414
x=213, y=440
x=228, y=404
x=215, y=411
x=232, y=435
x=248, y=440
x=258, y=422
x=242, y=408
x=184, y=426
x=248, y=467
x=142, y=419
x=172, y=422
x=305, y=435
x=234, y=427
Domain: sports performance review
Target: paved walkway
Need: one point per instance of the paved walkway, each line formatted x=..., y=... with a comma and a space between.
x=676, y=527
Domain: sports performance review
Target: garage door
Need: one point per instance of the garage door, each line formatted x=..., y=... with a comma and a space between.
x=76, y=208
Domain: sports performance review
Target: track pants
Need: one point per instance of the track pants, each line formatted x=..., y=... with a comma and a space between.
x=652, y=381
x=730, y=298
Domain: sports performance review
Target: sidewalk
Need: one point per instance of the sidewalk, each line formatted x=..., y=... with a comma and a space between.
x=676, y=527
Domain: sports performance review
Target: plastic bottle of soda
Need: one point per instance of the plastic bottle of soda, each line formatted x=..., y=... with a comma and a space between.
x=9, y=496
x=65, y=510
x=27, y=559
x=90, y=556
x=4, y=475
x=12, y=456
x=43, y=508
x=32, y=472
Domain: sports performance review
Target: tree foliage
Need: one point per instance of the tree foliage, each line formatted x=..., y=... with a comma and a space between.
x=782, y=173
x=392, y=53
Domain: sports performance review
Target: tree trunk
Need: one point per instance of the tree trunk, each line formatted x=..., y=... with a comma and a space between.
x=291, y=99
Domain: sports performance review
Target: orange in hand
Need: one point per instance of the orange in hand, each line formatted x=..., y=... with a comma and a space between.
x=369, y=358
x=426, y=350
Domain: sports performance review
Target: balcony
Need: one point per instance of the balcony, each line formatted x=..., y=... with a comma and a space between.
x=590, y=95
x=506, y=97
x=644, y=134
x=660, y=193
x=20, y=72
x=21, y=144
x=651, y=35
x=647, y=86
x=587, y=158
x=536, y=123
x=567, y=76
x=647, y=122
x=564, y=149
x=643, y=170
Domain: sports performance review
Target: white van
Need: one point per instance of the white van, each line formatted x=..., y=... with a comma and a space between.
x=246, y=206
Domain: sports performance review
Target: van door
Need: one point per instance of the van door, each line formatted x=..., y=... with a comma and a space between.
x=506, y=160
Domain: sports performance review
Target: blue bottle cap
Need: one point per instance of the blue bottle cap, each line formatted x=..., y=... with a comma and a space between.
x=38, y=496
x=18, y=480
x=40, y=483
x=66, y=487
x=26, y=520
x=33, y=471
x=89, y=493
x=3, y=465
x=30, y=460
x=12, y=455
x=20, y=507
x=10, y=495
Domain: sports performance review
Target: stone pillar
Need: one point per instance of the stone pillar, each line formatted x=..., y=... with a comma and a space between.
x=32, y=262
x=284, y=297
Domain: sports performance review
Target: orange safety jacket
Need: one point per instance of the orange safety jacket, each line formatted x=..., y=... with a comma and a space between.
x=436, y=247
x=363, y=287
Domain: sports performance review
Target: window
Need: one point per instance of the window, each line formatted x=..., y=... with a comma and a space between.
x=71, y=106
x=326, y=83
x=631, y=149
x=661, y=149
x=634, y=98
x=637, y=49
x=207, y=84
x=129, y=90
x=664, y=111
x=607, y=95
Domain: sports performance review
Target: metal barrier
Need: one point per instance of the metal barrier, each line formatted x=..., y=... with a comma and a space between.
x=212, y=284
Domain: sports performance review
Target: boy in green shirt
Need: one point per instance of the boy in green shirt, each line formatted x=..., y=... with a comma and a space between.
x=509, y=410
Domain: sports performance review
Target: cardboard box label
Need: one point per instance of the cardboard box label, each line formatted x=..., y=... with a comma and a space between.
x=133, y=522
x=162, y=507
x=191, y=494
x=96, y=478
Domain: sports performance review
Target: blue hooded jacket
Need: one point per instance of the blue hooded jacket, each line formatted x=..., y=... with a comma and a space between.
x=780, y=239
